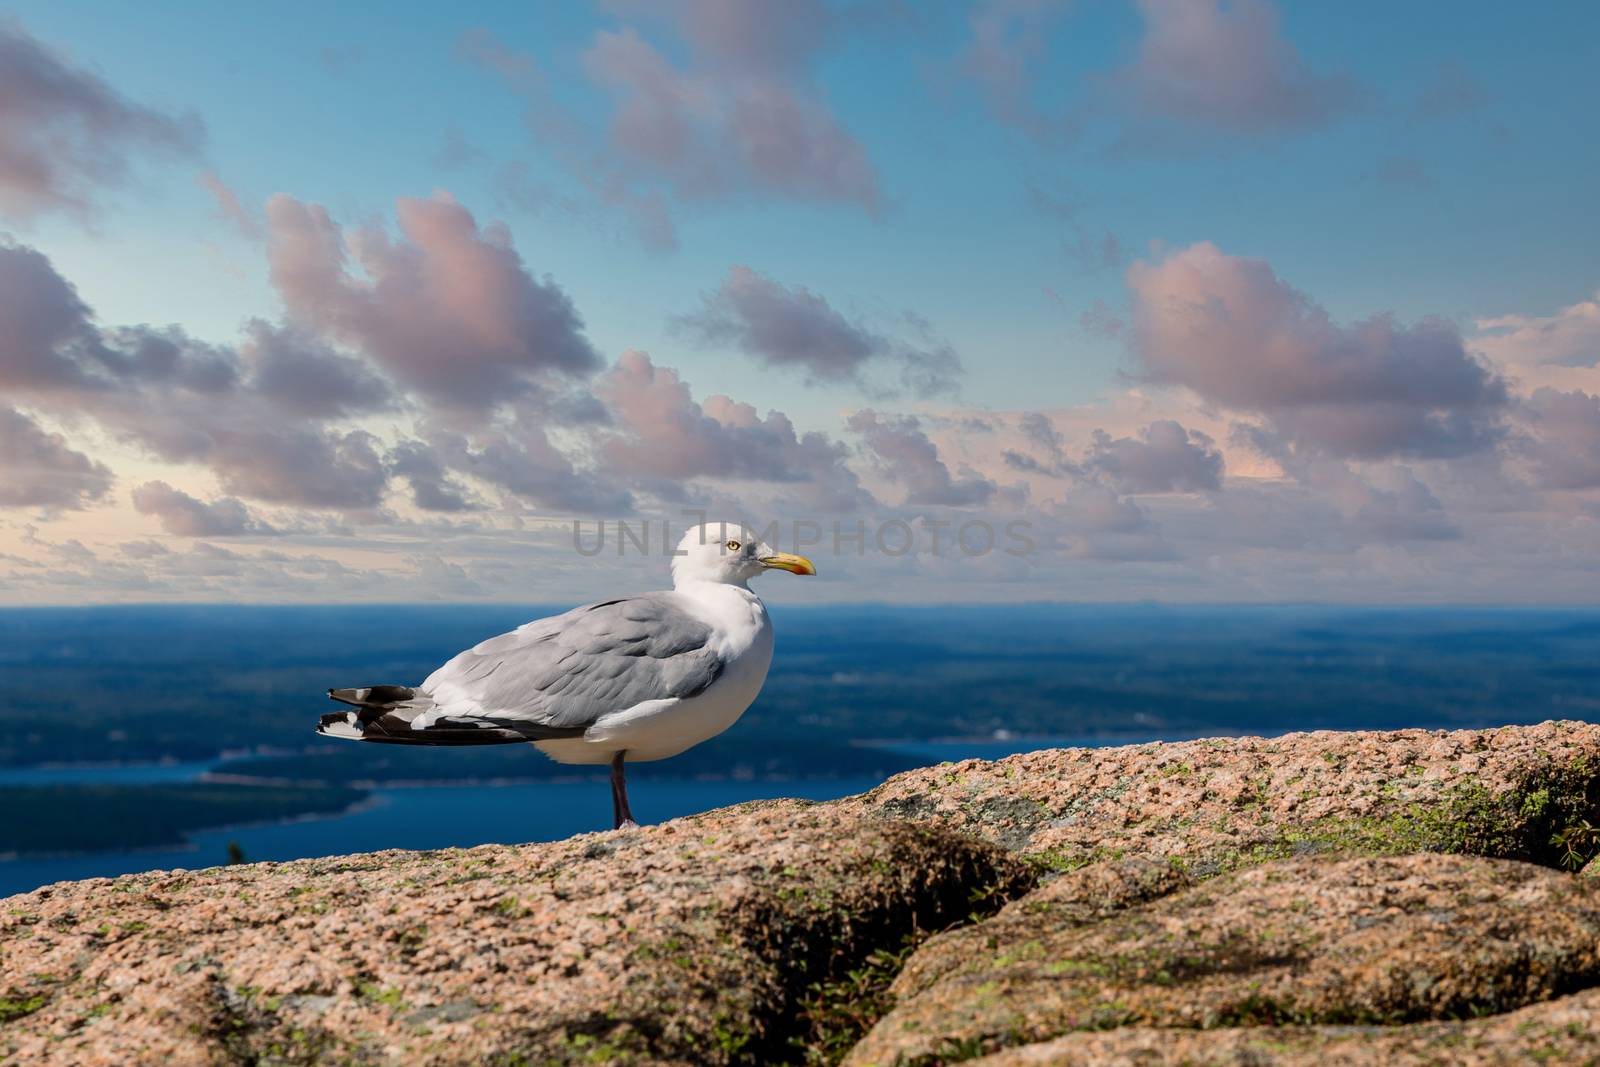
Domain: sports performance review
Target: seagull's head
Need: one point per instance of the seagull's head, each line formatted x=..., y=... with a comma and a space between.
x=730, y=553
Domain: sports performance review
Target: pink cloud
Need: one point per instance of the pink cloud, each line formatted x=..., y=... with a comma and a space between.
x=739, y=122
x=1163, y=458
x=1229, y=329
x=905, y=455
x=1563, y=438
x=662, y=437
x=39, y=469
x=794, y=327
x=65, y=134
x=1570, y=337
x=1008, y=38
x=1225, y=66
x=187, y=516
x=448, y=310
x=229, y=208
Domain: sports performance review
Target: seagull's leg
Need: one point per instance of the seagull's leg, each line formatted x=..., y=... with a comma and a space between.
x=619, y=795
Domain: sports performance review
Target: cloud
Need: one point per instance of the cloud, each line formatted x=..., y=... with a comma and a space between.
x=299, y=465
x=1164, y=458
x=1568, y=338
x=185, y=516
x=448, y=310
x=65, y=134
x=229, y=209
x=1093, y=522
x=300, y=374
x=47, y=338
x=1224, y=67
x=745, y=97
x=1382, y=502
x=51, y=346
x=1227, y=328
x=39, y=469
x=905, y=455
x=1563, y=438
x=664, y=438
x=1008, y=38
x=519, y=458
x=794, y=327
x=716, y=102
x=432, y=488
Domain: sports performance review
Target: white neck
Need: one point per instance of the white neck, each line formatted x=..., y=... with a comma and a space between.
x=702, y=587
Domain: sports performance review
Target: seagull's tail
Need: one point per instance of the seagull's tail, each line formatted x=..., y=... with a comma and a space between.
x=400, y=715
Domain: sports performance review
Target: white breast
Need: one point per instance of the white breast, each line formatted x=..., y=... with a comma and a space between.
x=657, y=729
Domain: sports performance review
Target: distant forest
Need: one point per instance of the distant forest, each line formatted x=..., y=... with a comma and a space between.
x=144, y=683
x=188, y=683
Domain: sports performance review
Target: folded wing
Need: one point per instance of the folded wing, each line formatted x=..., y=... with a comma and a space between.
x=564, y=672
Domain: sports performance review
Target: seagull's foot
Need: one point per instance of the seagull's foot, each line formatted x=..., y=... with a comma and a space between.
x=627, y=824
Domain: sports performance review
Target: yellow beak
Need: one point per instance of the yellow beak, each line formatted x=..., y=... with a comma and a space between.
x=785, y=561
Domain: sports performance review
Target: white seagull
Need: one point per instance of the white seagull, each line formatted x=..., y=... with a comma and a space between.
x=637, y=678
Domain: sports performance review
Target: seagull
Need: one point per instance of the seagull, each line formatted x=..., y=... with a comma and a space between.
x=637, y=678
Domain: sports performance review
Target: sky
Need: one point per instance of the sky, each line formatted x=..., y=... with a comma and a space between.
x=1080, y=300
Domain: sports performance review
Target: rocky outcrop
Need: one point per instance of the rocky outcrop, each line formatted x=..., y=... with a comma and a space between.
x=1367, y=898
x=690, y=943
x=1219, y=803
x=1363, y=941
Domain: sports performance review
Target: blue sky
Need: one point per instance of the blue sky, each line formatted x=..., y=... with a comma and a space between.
x=1439, y=166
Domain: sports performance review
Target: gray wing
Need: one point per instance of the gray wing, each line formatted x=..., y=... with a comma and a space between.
x=568, y=670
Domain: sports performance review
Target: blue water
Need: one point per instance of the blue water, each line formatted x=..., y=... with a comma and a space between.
x=442, y=816
x=435, y=817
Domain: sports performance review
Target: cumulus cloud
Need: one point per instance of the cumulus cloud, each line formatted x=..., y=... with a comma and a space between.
x=187, y=516
x=1562, y=441
x=1164, y=458
x=432, y=488
x=47, y=338
x=39, y=469
x=1381, y=502
x=304, y=466
x=796, y=328
x=1568, y=338
x=905, y=455
x=300, y=374
x=65, y=134
x=1093, y=522
x=663, y=438
x=1223, y=66
x=1229, y=329
x=448, y=310
x=519, y=458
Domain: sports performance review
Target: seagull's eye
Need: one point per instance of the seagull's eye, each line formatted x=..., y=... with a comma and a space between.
x=733, y=546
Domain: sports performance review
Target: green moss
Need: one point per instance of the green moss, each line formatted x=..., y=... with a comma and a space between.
x=1063, y=861
x=393, y=999
x=510, y=907
x=1542, y=823
x=836, y=1012
x=15, y=1008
